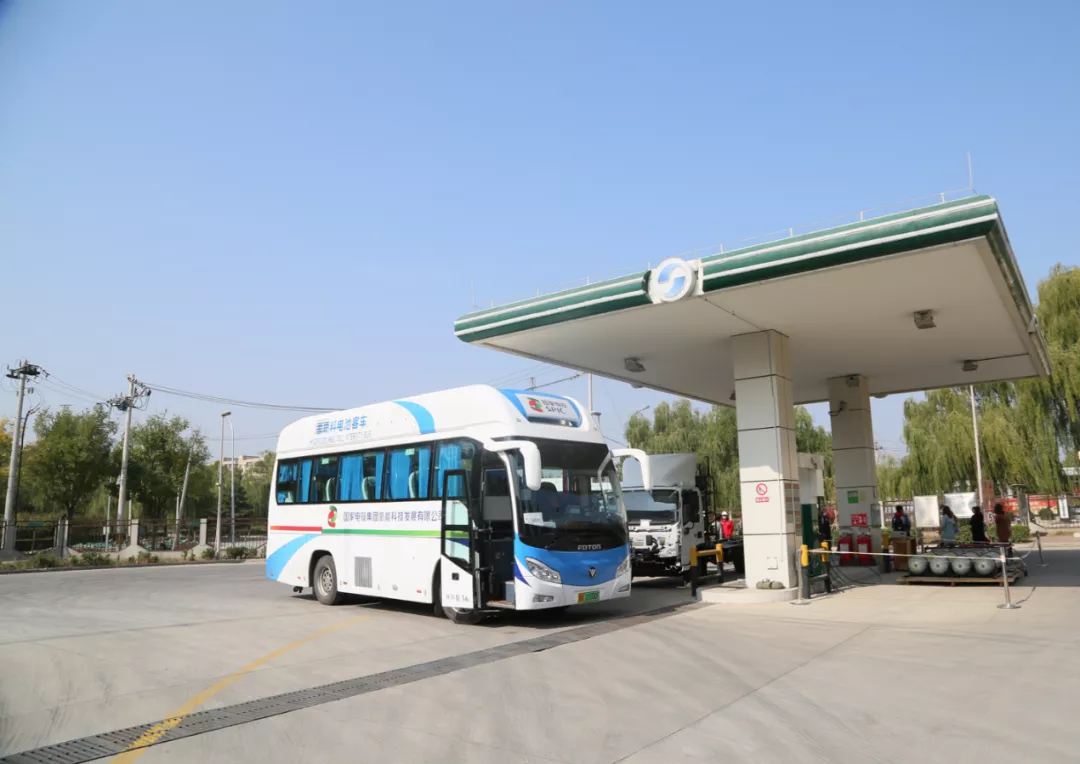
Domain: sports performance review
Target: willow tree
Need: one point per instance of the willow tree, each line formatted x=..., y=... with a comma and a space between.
x=1024, y=427
x=1058, y=313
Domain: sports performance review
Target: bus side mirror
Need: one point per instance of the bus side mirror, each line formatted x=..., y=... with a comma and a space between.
x=530, y=455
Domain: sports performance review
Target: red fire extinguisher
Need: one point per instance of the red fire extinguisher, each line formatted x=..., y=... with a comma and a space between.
x=862, y=543
x=843, y=544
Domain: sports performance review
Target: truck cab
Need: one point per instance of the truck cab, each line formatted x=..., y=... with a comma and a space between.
x=669, y=518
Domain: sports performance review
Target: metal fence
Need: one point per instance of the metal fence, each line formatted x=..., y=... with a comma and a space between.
x=168, y=536
x=250, y=535
x=95, y=537
x=35, y=536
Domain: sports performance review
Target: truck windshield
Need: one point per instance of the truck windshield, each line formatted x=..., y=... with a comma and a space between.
x=659, y=507
x=572, y=511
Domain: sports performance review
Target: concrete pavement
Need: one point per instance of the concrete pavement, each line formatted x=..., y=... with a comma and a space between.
x=891, y=673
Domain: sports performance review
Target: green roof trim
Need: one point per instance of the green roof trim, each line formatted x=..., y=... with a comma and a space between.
x=594, y=299
x=943, y=223
x=867, y=240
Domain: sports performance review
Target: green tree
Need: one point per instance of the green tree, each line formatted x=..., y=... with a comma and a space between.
x=713, y=436
x=1024, y=427
x=70, y=458
x=5, y=449
x=158, y=457
x=815, y=439
x=256, y=481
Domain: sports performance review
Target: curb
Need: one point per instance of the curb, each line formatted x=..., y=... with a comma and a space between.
x=122, y=566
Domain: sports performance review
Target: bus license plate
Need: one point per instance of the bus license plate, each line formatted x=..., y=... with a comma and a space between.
x=588, y=596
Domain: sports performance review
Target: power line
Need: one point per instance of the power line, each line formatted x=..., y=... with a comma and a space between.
x=233, y=401
x=68, y=393
x=556, y=382
x=56, y=380
x=503, y=378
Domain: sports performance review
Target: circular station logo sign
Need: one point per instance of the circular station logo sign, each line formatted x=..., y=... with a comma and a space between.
x=672, y=280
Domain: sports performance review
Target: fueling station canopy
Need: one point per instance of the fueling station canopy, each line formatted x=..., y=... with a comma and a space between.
x=927, y=298
x=922, y=299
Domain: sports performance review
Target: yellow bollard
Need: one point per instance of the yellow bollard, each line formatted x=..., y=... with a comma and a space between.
x=805, y=556
x=825, y=556
x=693, y=556
x=719, y=555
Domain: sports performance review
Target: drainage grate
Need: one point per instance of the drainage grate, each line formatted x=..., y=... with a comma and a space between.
x=111, y=743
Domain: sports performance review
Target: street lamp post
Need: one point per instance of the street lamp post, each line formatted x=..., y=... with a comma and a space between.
x=232, y=483
x=220, y=479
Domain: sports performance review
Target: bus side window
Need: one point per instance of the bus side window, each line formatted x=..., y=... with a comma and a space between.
x=456, y=455
x=324, y=483
x=409, y=468
x=304, y=481
x=286, y=482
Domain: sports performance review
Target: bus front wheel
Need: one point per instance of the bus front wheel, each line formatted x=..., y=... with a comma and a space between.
x=466, y=616
x=325, y=582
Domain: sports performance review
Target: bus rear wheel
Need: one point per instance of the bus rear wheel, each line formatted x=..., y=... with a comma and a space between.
x=324, y=582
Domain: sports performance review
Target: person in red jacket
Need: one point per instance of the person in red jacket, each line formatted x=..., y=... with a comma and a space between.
x=727, y=526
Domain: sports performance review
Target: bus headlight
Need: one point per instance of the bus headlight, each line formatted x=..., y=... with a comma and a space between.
x=542, y=571
x=624, y=567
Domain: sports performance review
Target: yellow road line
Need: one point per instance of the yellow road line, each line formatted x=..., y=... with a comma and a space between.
x=155, y=733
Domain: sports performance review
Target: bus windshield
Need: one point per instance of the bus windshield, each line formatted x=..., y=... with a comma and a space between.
x=659, y=507
x=573, y=510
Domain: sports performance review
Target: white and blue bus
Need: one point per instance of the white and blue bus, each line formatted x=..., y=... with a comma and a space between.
x=473, y=499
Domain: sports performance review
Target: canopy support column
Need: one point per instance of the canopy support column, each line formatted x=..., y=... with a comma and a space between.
x=854, y=458
x=768, y=464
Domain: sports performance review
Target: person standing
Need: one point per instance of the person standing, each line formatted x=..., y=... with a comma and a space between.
x=948, y=526
x=727, y=526
x=901, y=523
x=978, y=526
x=1003, y=524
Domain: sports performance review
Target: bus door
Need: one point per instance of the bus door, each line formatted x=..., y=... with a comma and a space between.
x=459, y=551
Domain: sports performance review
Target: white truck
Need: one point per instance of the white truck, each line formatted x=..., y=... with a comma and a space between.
x=669, y=520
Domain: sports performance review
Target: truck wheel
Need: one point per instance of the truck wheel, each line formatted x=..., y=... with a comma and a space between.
x=325, y=583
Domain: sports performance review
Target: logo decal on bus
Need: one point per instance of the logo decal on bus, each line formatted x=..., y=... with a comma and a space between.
x=331, y=517
x=592, y=572
x=536, y=405
x=588, y=547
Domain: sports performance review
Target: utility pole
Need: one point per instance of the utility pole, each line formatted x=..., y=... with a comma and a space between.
x=232, y=483
x=183, y=494
x=27, y=369
x=126, y=404
x=22, y=442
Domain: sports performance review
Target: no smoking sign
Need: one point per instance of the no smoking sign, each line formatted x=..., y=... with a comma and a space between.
x=762, y=493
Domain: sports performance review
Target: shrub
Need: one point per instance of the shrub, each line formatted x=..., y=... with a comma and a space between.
x=1021, y=533
x=45, y=560
x=237, y=553
x=1047, y=514
x=145, y=556
x=207, y=554
x=91, y=557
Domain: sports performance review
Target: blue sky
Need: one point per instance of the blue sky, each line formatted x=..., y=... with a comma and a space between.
x=290, y=202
